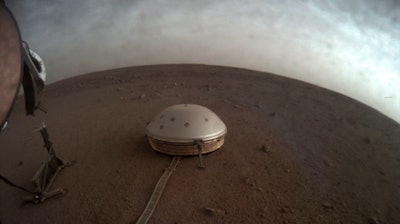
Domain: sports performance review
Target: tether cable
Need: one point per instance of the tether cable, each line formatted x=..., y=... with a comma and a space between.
x=8, y=182
x=158, y=190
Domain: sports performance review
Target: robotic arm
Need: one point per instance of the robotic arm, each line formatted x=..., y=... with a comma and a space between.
x=33, y=80
x=18, y=65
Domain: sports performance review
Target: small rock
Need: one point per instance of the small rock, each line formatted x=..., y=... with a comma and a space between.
x=272, y=114
x=368, y=140
x=284, y=210
x=20, y=163
x=262, y=214
x=142, y=96
x=373, y=220
x=327, y=205
x=328, y=163
x=213, y=211
x=287, y=210
x=265, y=149
x=250, y=181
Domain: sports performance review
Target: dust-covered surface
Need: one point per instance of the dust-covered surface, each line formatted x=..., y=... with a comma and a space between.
x=294, y=153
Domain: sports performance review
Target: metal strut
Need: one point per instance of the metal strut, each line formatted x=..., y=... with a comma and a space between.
x=158, y=190
x=47, y=172
x=200, y=146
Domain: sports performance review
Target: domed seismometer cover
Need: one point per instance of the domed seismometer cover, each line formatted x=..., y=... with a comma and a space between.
x=178, y=129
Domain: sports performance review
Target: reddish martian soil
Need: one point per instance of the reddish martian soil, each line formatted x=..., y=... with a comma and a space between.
x=294, y=152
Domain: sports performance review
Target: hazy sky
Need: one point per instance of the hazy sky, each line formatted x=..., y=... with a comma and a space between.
x=352, y=47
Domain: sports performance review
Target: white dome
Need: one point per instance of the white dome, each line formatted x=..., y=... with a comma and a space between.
x=184, y=124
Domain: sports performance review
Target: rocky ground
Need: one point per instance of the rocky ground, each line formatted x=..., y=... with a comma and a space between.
x=294, y=153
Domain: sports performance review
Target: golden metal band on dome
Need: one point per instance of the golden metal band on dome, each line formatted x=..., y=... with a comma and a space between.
x=187, y=149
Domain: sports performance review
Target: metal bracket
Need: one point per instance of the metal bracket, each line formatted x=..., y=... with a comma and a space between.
x=200, y=146
x=47, y=172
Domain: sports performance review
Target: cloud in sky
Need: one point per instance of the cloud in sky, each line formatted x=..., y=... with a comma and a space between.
x=351, y=47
